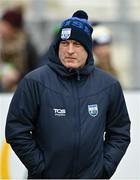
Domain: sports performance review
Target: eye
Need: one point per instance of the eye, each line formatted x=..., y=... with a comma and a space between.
x=77, y=44
x=64, y=43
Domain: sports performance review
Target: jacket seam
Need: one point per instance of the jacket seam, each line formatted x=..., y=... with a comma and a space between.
x=101, y=90
x=45, y=86
x=67, y=95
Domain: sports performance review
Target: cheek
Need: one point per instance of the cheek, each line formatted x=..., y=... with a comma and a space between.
x=84, y=56
x=61, y=55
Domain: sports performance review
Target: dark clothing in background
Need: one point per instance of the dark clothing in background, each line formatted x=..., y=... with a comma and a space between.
x=32, y=56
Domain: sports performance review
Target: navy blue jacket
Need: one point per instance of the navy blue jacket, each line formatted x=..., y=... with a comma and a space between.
x=65, y=123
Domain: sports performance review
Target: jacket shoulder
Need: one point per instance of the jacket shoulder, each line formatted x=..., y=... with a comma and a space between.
x=45, y=77
x=104, y=78
x=41, y=74
x=103, y=81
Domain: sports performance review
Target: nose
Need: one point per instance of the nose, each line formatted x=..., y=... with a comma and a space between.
x=70, y=48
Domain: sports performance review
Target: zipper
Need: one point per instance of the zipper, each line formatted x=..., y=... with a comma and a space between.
x=78, y=76
x=76, y=130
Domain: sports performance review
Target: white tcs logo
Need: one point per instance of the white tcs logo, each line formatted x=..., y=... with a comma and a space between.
x=59, y=112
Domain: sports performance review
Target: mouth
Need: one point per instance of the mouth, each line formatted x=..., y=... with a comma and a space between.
x=72, y=58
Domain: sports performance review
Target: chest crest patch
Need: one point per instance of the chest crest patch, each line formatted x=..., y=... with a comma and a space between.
x=93, y=110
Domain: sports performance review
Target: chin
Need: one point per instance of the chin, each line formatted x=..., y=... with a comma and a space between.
x=72, y=67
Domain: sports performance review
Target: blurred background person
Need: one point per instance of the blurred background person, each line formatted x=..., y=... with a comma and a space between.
x=102, y=42
x=18, y=55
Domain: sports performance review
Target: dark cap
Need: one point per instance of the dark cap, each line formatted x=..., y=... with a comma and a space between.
x=77, y=28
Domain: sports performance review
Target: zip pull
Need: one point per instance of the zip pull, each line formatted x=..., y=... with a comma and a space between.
x=78, y=76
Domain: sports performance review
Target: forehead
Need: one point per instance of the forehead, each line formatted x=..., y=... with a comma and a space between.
x=70, y=41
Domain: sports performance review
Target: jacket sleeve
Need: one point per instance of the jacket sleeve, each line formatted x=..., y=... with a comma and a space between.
x=117, y=136
x=20, y=126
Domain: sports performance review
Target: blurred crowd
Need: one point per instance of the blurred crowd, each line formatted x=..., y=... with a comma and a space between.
x=18, y=54
x=102, y=49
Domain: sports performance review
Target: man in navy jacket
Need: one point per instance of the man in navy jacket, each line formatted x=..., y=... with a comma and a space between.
x=68, y=119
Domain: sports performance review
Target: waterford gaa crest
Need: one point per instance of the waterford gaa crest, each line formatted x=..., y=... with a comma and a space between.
x=65, y=34
x=93, y=110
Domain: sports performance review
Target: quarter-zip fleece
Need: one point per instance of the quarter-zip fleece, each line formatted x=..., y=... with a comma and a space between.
x=56, y=122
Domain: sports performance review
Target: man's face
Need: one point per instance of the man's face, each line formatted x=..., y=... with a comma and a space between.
x=72, y=54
